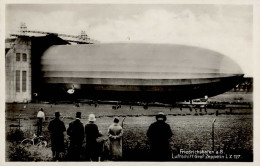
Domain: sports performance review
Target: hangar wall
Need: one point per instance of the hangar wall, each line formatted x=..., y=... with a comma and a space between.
x=18, y=70
x=22, y=65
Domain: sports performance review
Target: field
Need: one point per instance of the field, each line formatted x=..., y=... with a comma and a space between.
x=233, y=131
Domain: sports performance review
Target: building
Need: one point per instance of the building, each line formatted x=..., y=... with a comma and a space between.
x=18, y=69
x=22, y=54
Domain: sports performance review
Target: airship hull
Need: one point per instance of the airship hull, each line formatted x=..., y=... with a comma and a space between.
x=135, y=72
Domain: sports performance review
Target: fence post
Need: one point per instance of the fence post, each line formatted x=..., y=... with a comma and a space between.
x=19, y=122
x=213, y=134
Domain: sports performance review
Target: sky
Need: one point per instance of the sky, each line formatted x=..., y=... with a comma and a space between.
x=227, y=29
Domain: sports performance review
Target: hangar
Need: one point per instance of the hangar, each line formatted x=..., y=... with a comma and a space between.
x=22, y=62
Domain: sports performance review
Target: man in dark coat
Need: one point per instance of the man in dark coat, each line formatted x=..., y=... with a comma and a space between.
x=57, y=129
x=76, y=135
x=159, y=134
x=92, y=133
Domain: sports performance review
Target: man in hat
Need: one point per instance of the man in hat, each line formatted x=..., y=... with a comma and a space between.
x=57, y=129
x=159, y=134
x=76, y=134
x=40, y=119
x=92, y=133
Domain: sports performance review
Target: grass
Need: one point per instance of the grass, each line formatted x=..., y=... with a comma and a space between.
x=17, y=152
x=192, y=129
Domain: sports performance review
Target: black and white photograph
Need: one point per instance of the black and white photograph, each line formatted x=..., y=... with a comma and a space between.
x=129, y=83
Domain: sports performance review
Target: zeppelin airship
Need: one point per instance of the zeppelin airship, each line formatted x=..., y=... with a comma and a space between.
x=136, y=72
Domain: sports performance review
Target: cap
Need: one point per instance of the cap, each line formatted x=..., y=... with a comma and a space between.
x=116, y=119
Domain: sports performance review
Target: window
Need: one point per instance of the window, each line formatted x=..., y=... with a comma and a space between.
x=24, y=57
x=17, y=80
x=24, y=81
x=18, y=56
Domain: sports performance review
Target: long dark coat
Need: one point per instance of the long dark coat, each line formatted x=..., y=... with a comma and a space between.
x=92, y=134
x=57, y=127
x=159, y=134
x=76, y=133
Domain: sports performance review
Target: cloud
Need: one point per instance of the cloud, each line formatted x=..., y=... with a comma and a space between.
x=226, y=34
x=232, y=37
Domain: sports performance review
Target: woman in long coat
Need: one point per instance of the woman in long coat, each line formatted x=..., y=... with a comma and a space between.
x=92, y=133
x=115, y=134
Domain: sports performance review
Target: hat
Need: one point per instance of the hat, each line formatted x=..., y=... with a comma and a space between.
x=116, y=119
x=161, y=115
x=91, y=118
x=78, y=115
x=57, y=114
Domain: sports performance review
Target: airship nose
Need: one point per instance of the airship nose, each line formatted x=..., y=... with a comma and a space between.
x=229, y=66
